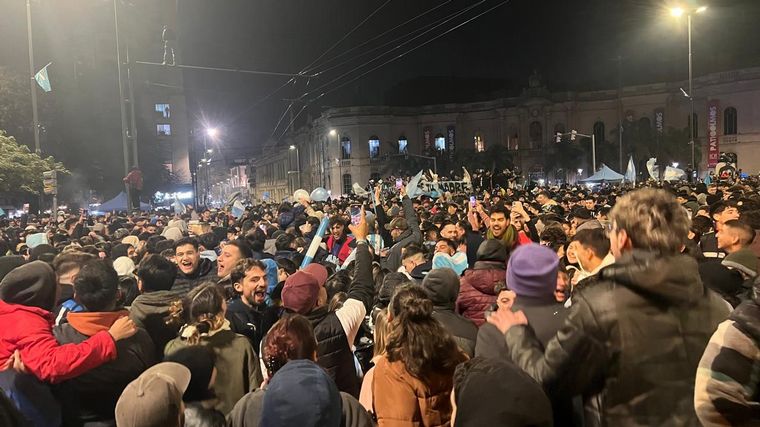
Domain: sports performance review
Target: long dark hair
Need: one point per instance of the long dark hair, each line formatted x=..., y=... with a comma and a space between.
x=417, y=339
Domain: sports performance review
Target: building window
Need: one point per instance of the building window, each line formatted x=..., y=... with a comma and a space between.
x=729, y=121
x=599, y=132
x=402, y=144
x=345, y=148
x=374, y=147
x=536, y=133
x=347, y=184
x=163, y=129
x=440, y=143
x=162, y=110
x=480, y=144
x=695, y=126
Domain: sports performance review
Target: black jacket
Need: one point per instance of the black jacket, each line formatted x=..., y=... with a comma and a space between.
x=206, y=271
x=631, y=342
x=90, y=399
x=409, y=236
x=333, y=350
x=245, y=321
x=444, y=296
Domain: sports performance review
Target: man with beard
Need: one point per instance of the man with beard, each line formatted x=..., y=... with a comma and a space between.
x=231, y=254
x=193, y=270
x=245, y=311
x=500, y=229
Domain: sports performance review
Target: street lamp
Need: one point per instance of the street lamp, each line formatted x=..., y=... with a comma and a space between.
x=675, y=164
x=298, y=163
x=333, y=132
x=678, y=12
x=212, y=132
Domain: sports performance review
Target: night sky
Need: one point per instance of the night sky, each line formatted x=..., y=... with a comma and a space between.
x=571, y=43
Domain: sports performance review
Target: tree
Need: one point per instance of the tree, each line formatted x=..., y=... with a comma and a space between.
x=20, y=169
x=16, y=106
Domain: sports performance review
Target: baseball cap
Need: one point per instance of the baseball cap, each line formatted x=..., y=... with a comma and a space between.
x=399, y=223
x=300, y=292
x=154, y=398
x=318, y=271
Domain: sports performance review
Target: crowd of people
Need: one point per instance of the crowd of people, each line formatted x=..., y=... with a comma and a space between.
x=512, y=306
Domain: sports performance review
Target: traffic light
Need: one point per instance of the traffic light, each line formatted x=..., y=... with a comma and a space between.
x=559, y=137
x=573, y=134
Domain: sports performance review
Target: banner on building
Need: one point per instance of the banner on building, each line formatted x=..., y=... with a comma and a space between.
x=451, y=140
x=659, y=121
x=713, y=143
x=426, y=139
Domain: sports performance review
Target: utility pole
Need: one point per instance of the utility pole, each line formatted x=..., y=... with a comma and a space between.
x=124, y=140
x=32, y=81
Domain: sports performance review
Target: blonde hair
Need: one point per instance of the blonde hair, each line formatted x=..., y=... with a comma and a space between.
x=653, y=220
x=382, y=330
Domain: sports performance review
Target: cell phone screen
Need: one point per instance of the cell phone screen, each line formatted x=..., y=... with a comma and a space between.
x=399, y=183
x=473, y=202
x=356, y=214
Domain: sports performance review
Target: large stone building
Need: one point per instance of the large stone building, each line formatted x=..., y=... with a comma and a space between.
x=356, y=144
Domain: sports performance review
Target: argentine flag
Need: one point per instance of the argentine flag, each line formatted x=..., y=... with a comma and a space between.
x=42, y=78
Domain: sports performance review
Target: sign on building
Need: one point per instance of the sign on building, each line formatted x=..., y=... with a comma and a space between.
x=713, y=143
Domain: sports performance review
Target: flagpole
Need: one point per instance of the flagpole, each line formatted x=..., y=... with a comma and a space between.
x=32, y=81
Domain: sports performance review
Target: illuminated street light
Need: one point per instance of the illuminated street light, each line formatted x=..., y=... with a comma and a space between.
x=580, y=171
x=676, y=11
x=212, y=132
x=333, y=132
x=292, y=147
x=675, y=164
x=701, y=9
x=210, y=150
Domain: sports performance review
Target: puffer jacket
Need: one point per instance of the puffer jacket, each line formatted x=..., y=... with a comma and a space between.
x=631, y=342
x=400, y=399
x=206, y=271
x=477, y=289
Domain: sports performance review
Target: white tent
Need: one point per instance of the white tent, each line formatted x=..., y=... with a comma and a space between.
x=604, y=174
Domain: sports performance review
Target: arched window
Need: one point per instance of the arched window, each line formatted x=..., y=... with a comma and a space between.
x=440, y=143
x=374, y=147
x=599, y=132
x=402, y=144
x=695, y=126
x=347, y=184
x=536, y=132
x=729, y=121
x=345, y=148
x=480, y=144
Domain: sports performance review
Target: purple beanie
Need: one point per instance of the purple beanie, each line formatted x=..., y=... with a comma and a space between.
x=532, y=272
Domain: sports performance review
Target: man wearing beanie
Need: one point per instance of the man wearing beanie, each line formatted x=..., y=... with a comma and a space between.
x=532, y=276
x=304, y=293
x=633, y=336
x=442, y=286
x=477, y=291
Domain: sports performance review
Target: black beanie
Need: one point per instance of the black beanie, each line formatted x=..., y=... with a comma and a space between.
x=492, y=250
x=8, y=263
x=32, y=285
x=43, y=252
x=200, y=361
x=391, y=281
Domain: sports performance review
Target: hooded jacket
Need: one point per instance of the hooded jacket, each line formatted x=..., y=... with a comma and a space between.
x=149, y=311
x=631, y=342
x=477, y=289
x=206, y=270
x=27, y=294
x=442, y=286
x=90, y=399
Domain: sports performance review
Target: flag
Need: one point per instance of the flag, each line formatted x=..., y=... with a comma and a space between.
x=652, y=168
x=179, y=208
x=42, y=78
x=237, y=209
x=630, y=172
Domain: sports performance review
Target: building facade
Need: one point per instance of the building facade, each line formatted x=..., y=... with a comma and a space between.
x=356, y=144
